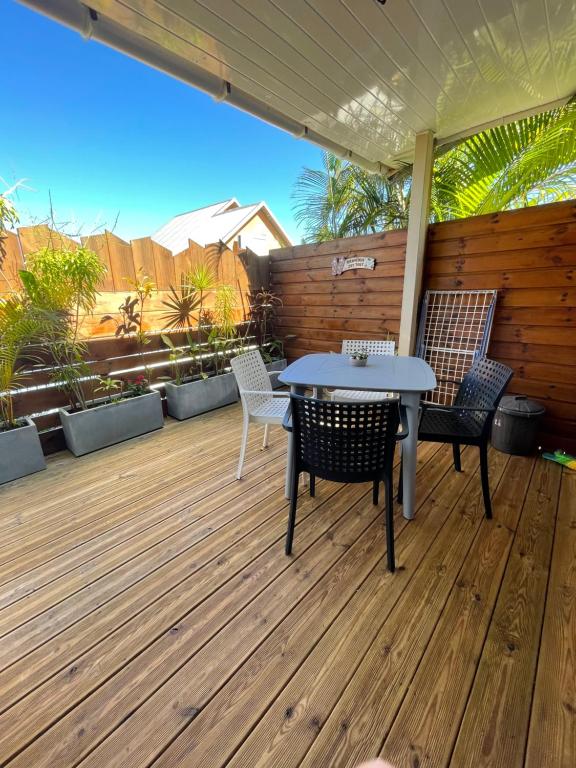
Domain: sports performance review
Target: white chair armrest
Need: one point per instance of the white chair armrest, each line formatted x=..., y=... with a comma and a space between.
x=271, y=393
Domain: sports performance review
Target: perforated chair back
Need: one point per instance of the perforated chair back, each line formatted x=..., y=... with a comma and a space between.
x=252, y=377
x=482, y=387
x=372, y=347
x=345, y=442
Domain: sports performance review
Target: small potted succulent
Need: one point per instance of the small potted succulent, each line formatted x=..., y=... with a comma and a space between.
x=359, y=358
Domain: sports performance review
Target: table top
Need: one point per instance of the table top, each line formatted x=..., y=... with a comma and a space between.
x=386, y=373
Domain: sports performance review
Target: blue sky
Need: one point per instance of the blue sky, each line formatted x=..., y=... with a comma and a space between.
x=106, y=135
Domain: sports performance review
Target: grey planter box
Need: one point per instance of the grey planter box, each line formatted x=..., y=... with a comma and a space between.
x=196, y=397
x=276, y=367
x=20, y=452
x=103, y=425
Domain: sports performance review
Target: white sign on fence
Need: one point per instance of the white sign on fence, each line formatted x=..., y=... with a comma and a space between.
x=340, y=265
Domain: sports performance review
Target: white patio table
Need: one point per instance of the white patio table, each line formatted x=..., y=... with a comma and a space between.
x=410, y=377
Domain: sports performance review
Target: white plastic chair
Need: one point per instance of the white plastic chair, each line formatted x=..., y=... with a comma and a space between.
x=349, y=346
x=259, y=400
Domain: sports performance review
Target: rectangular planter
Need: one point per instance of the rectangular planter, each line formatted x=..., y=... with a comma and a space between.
x=276, y=367
x=20, y=452
x=103, y=425
x=196, y=397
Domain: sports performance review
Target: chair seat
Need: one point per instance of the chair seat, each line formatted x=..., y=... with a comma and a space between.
x=355, y=395
x=271, y=410
x=437, y=423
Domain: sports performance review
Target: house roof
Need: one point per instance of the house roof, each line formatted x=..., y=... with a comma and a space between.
x=358, y=78
x=211, y=224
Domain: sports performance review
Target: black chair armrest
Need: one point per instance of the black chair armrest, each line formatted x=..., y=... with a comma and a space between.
x=287, y=420
x=449, y=408
x=405, y=431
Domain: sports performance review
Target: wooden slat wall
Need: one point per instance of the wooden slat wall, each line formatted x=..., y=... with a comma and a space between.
x=319, y=310
x=529, y=255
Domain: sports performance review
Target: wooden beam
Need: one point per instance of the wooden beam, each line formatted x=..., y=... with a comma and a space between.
x=416, y=238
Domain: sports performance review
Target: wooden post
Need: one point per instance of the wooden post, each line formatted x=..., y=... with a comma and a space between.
x=416, y=238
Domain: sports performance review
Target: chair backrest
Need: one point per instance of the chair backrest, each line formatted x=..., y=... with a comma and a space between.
x=483, y=386
x=346, y=442
x=372, y=347
x=251, y=375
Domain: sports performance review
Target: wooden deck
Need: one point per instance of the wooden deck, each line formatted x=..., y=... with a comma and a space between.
x=149, y=616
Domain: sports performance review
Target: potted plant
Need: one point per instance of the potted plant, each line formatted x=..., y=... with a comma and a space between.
x=128, y=409
x=263, y=314
x=63, y=282
x=200, y=380
x=359, y=358
x=20, y=449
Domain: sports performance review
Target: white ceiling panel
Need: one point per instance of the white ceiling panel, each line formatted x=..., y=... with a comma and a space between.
x=359, y=77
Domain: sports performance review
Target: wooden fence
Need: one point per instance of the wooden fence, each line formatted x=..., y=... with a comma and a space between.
x=529, y=255
x=242, y=269
x=319, y=309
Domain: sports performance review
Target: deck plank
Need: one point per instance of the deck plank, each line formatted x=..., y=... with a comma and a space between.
x=552, y=735
x=352, y=734
x=148, y=615
x=495, y=724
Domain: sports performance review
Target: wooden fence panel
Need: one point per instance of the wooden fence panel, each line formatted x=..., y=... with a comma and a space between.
x=11, y=262
x=41, y=236
x=529, y=255
x=121, y=262
x=143, y=257
x=320, y=309
x=99, y=244
x=165, y=270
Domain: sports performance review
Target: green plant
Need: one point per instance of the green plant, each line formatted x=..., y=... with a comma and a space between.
x=527, y=162
x=136, y=387
x=181, y=303
x=223, y=336
x=264, y=306
x=175, y=357
x=202, y=279
x=60, y=285
x=109, y=386
x=360, y=354
x=20, y=328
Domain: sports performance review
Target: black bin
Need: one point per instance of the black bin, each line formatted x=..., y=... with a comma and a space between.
x=515, y=425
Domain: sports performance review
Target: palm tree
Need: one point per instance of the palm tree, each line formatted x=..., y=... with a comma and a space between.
x=528, y=162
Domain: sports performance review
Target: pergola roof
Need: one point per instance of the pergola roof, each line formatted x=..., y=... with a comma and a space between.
x=359, y=77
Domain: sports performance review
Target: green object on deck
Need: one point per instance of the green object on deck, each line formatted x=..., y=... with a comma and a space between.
x=561, y=458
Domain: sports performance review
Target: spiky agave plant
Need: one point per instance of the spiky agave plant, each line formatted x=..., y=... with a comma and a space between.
x=20, y=327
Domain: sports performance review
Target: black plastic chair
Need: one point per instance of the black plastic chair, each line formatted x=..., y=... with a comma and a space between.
x=469, y=420
x=346, y=443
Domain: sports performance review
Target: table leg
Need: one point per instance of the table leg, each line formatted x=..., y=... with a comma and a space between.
x=409, y=445
x=290, y=456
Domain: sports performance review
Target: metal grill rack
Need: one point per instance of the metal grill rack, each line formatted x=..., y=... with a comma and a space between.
x=454, y=330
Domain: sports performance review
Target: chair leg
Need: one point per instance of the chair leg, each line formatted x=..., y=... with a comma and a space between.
x=485, y=482
x=243, y=447
x=292, y=515
x=400, y=486
x=390, y=522
x=312, y=485
x=375, y=491
x=456, y=454
x=265, y=440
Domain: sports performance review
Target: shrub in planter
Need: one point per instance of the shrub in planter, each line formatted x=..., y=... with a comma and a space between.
x=20, y=448
x=134, y=412
x=200, y=380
